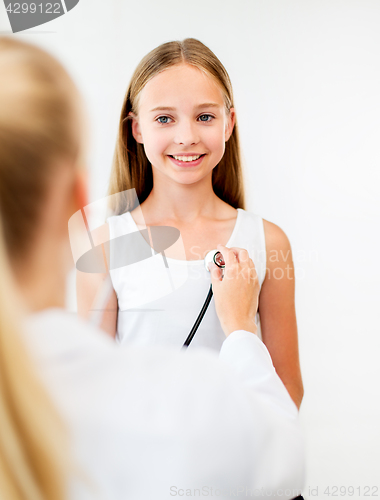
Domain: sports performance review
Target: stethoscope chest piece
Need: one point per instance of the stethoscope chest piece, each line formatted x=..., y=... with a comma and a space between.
x=216, y=257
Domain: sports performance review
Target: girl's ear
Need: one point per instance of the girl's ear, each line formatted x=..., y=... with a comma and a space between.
x=136, y=132
x=230, y=123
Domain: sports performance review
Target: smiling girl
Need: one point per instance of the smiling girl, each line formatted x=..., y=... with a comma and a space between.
x=178, y=146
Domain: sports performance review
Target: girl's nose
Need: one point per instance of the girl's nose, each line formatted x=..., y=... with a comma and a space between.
x=186, y=133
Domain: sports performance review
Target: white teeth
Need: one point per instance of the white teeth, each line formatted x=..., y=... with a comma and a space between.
x=187, y=158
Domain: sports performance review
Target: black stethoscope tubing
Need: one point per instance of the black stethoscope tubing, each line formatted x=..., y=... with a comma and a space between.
x=216, y=257
x=199, y=319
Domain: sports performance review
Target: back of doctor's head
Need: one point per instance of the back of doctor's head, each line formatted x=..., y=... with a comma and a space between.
x=38, y=133
x=131, y=167
x=37, y=101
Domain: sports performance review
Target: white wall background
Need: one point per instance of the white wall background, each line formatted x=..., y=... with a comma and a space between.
x=306, y=78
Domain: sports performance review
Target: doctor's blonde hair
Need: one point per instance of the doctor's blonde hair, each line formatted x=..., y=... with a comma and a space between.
x=36, y=129
x=131, y=167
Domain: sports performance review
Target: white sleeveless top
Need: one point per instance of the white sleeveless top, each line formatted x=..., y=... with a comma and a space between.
x=158, y=305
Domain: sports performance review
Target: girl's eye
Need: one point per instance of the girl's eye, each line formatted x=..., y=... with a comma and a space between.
x=207, y=116
x=164, y=118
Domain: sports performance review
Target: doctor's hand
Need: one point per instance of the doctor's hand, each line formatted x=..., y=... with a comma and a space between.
x=236, y=295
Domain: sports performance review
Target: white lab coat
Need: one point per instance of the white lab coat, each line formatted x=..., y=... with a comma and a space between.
x=155, y=423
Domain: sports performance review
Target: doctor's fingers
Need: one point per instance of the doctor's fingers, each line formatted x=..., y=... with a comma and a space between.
x=248, y=272
x=241, y=254
x=246, y=266
x=245, y=260
x=252, y=268
x=230, y=255
x=216, y=273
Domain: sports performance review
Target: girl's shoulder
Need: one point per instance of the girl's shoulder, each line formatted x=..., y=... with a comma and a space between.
x=275, y=237
x=248, y=213
x=249, y=220
x=267, y=241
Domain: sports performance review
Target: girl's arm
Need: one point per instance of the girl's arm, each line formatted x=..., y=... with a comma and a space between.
x=277, y=311
x=88, y=286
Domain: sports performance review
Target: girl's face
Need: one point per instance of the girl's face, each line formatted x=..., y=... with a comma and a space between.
x=183, y=123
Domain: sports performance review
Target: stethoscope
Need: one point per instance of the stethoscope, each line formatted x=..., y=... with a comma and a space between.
x=217, y=258
x=105, y=292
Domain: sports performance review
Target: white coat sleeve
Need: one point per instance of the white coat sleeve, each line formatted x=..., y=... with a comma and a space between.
x=278, y=449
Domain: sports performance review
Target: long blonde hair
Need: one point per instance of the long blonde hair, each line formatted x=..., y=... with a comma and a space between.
x=131, y=167
x=36, y=128
x=33, y=450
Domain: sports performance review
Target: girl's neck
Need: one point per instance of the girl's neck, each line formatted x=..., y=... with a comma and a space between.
x=181, y=202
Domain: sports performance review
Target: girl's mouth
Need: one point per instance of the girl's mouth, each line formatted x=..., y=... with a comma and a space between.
x=187, y=161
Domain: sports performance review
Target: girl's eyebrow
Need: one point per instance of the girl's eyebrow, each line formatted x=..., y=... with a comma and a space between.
x=204, y=105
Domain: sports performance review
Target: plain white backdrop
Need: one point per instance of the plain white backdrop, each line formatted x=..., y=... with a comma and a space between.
x=306, y=78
